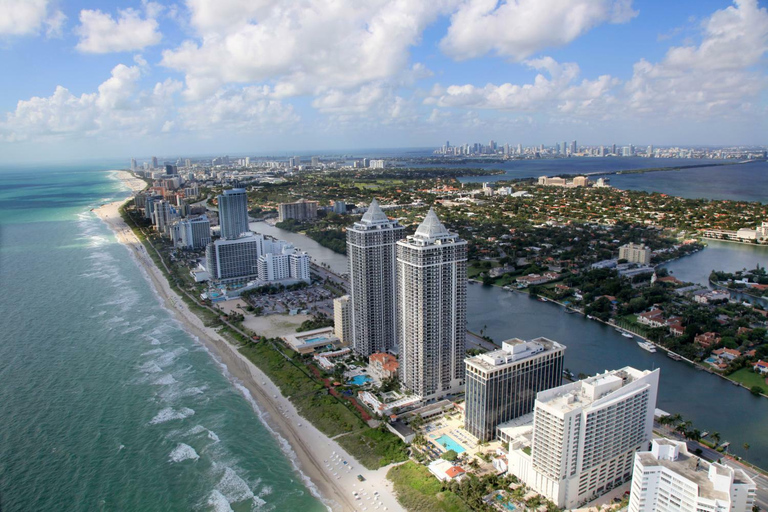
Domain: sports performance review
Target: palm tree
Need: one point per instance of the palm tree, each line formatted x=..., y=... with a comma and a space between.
x=715, y=437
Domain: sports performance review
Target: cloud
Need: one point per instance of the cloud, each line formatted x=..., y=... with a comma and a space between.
x=27, y=17
x=560, y=91
x=520, y=28
x=249, y=108
x=300, y=46
x=100, y=33
x=118, y=107
x=719, y=76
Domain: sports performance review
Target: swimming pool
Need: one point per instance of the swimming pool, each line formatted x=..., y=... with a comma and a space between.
x=506, y=506
x=448, y=443
x=359, y=380
x=315, y=340
x=711, y=360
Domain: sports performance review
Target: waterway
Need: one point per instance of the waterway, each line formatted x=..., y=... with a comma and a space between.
x=711, y=403
x=320, y=255
x=739, y=182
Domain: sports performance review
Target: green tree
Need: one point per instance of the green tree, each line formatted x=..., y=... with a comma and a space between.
x=450, y=455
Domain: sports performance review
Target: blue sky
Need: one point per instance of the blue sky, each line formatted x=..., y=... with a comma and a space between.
x=101, y=78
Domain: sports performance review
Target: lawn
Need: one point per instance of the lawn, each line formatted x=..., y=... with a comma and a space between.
x=374, y=448
x=749, y=378
x=418, y=489
x=310, y=397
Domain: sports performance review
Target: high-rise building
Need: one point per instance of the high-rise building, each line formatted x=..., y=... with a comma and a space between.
x=133, y=164
x=501, y=385
x=194, y=233
x=573, y=148
x=233, y=213
x=371, y=248
x=315, y=161
x=162, y=215
x=432, y=309
x=234, y=260
x=342, y=319
x=564, y=148
x=339, y=207
x=298, y=266
x=670, y=479
x=274, y=267
x=585, y=435
x=300, y=210
x=154, y=162
x=635, y=253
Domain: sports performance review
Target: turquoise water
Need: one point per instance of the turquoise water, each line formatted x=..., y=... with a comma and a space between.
x=315, y=340
x=107, y=403
x=506, y=506
x=359, y=380
x=448, y=443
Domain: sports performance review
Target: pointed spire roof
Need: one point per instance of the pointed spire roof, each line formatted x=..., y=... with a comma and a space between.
x=431, y=227
x=374, y=214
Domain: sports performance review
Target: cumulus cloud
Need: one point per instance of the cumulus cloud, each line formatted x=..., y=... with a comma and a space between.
x=117, y=107
x=519, y=29
x=99, y=32
x=719, y=76
x=300, y=46
x=28, y=17
x=555, y=88
x=251, y=108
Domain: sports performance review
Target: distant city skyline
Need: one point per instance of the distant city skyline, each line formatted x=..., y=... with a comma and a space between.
x=190, y=77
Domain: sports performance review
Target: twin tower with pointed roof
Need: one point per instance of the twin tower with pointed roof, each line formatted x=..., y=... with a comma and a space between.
x=408, y=295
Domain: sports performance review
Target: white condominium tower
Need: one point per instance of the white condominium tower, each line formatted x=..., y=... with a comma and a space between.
x=585, y=435
x=432, y=309
x=233, y=213
x=668, y=478
x=371, y=250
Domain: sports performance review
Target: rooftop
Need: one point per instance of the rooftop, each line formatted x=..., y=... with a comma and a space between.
x=513, y=351
x=591, y=390
x=675, y=457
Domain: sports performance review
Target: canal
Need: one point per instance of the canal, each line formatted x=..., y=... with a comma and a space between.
x=320, y=255
x=711, y=403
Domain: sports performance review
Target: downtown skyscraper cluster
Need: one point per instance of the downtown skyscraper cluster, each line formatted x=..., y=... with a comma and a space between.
x=409, y=295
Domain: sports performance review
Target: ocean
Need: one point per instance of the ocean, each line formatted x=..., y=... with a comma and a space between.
x=106, y=402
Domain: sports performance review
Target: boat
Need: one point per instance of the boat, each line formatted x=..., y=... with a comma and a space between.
x=618, y=330
x=590, y=317
x=542, y=299
x=570, y=312
x=674, y=357
x=627, y=335
x=647, y=345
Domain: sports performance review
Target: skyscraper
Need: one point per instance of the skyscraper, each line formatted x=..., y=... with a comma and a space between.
x=372, y=265
x=502, y=384
x=432, y=309
x=585, y=435
x=233, y=213
x=154, y=162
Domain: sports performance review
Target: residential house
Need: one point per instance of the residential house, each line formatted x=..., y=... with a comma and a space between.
x=707, y=340
x=760, y=366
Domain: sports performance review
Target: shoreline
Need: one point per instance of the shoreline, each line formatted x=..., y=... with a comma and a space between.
x=310, y=452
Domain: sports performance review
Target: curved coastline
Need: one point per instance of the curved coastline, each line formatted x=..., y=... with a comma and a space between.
x=306, y=447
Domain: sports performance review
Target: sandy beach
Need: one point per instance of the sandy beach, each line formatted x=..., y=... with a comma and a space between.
x=319, y=459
